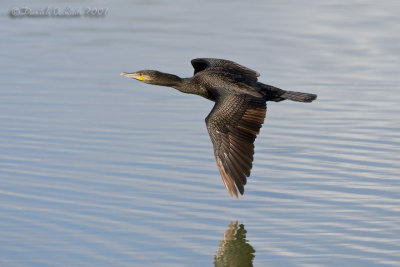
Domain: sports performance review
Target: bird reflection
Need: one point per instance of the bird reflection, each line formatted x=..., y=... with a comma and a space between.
x=234, y=250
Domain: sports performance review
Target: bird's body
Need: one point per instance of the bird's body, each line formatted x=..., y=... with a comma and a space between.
x=238, y=113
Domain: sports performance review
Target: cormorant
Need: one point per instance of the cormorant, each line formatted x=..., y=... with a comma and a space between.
x=238, y=113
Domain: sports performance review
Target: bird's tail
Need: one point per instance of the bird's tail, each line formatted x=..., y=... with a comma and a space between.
x=275, y=94
x=299, y=97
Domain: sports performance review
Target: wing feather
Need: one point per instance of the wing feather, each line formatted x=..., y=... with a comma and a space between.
x=224, y=66
x=233, y=125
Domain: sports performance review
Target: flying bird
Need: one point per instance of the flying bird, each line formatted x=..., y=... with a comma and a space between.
x=239, y=110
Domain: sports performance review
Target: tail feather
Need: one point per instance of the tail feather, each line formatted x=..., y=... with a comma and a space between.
x=276, y=94
x=299, y=97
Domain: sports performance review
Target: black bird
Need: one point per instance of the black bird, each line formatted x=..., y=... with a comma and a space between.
x=238, y=113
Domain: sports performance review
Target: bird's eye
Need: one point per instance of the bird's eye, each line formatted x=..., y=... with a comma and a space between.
x=140, y=76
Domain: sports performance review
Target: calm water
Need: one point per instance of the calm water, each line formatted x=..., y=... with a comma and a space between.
x=101, y=170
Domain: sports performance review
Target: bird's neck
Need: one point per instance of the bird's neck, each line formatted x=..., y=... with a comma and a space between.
x=170, y=80
x=181, y=84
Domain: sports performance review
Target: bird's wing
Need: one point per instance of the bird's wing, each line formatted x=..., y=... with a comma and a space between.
x=233, y=125
x=225, y=66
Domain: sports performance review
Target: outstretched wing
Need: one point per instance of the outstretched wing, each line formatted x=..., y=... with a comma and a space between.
x=226, y=66
x=233, y=125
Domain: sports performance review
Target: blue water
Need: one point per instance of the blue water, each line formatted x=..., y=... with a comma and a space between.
x=101, y=170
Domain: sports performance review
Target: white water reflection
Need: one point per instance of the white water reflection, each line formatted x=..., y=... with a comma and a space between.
x=100, y=170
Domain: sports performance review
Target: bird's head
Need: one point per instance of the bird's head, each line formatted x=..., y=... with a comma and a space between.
x=154, y=77
x=146, y=76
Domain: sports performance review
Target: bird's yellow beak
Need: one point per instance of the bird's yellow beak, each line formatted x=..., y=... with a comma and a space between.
x=135, y=75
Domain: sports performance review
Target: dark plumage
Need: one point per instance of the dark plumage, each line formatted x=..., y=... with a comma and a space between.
x=238, y=113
